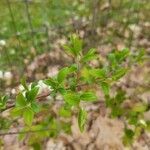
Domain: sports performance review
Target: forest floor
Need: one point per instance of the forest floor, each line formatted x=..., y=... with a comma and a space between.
x=102, y=132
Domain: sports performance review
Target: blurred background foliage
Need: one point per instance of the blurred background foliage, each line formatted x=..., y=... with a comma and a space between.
x=31, y=27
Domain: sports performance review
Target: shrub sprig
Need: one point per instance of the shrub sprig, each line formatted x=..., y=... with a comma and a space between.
x=78, y=83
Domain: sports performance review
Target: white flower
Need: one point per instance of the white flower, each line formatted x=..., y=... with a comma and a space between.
x=7, y=75
x=2, y=42
x=21, y=88
x=43, y=86
x=13, y=91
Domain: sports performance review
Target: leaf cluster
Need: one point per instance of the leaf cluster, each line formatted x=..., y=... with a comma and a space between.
x=78, y=83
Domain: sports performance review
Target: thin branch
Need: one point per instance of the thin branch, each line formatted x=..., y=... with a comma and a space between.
x=40, y=97
x=44, y=95
x=24, y=132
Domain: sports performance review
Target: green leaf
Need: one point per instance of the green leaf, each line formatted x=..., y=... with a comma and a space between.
x=35, y=107
x=51, y=82
x=65, y=112
x=68, y=49
x=129, y=133
x=17, y=111
x=34, y=84
x=105, y=87
x=62, y=74
x=116, y=57
x=3, y=101
x=88, y=96
x=71, y=98
x=90, y=55
x=116, y=111
x=148, y=125
x=74, y=47
x=1, y=104
x=119, y=73
x=73, y=68
x=36, y=146
x=82, y=119
x=5, y=98
x=85, y=74
x=133, y=120
x=21, y=100
x=128, y=136
x=24, y=84
x=108, y=101
x=120, y=96
x=28, y=115
x=61, y=90
x=76, y=44
x=31, y=95
x=139, y=107
x=98, y=73
x=112, y=60
x=122, y=55
x=140, y=56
